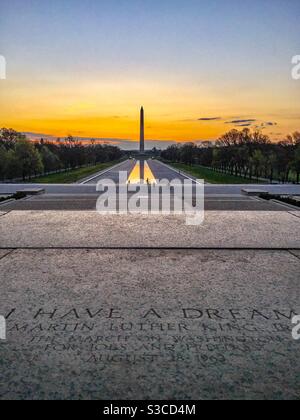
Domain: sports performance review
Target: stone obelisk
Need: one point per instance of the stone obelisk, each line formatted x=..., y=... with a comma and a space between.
x=142, y=132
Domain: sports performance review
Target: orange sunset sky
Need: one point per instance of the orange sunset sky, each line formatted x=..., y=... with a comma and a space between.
x=198, y=70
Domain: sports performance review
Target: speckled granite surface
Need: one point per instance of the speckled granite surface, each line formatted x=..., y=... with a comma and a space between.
x=88, y=229
x=3, y=252
x=148, y=324
x=296, y=253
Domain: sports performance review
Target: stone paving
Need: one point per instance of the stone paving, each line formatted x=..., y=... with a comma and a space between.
x=149, y=324
x=89, y=229
x=141, y=322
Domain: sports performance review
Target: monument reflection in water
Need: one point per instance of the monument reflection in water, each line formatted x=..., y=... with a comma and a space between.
x=141, y=173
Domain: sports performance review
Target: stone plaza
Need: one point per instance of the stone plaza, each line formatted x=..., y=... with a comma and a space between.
x=136, y=307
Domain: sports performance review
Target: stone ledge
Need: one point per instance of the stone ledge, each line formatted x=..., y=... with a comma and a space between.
x=31, y=191
x=253, y=192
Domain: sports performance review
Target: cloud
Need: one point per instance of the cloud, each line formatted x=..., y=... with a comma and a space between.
x=265, y=124
x=249, y=121
x=268, y=124
x=210, y=119
x=252, y=122
x=243, y=125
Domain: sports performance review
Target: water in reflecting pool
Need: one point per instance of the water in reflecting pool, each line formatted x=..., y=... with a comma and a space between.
x=141, y=173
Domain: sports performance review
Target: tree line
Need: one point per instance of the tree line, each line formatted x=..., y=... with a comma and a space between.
x=247, y=154
x=22, y=158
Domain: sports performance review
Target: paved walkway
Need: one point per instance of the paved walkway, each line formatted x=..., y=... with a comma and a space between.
x=83, y=197
x=160, y=171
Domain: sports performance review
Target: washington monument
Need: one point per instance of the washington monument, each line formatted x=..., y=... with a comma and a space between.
x=142, y=132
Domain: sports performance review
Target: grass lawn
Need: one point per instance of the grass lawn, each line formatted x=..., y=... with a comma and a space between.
x=72, y=176
x=212, y=177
